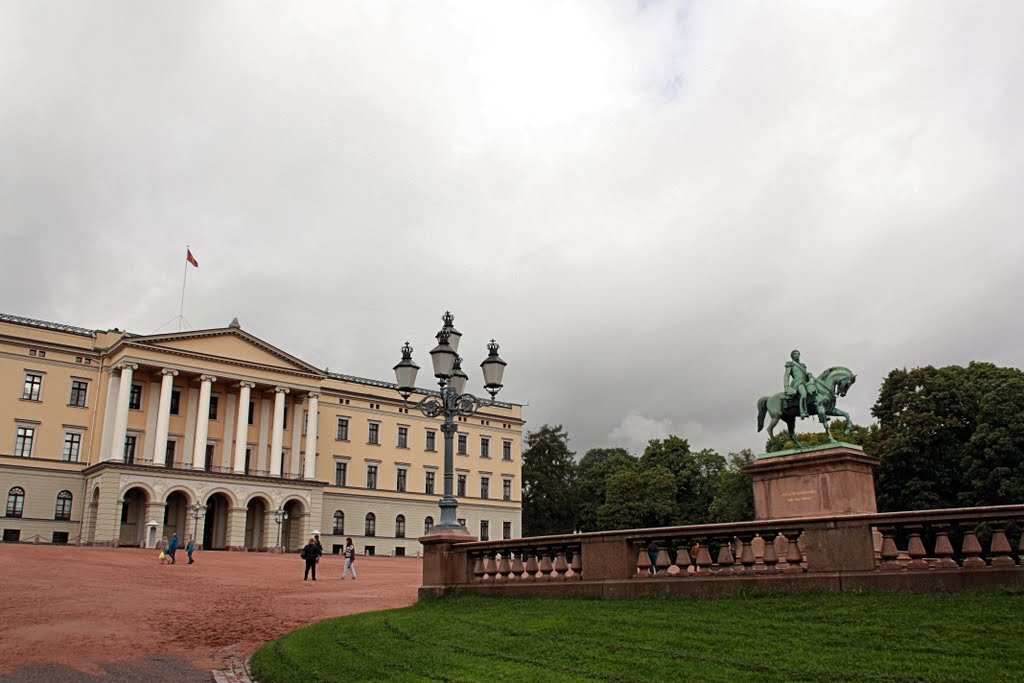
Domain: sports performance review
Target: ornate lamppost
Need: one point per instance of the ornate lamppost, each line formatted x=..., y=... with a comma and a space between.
x=196, y=510
x=449, y=401
x=280, y=516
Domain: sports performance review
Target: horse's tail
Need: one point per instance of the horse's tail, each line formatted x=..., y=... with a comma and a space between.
x=762, y=409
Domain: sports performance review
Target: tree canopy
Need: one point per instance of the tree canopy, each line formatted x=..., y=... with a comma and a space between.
x=549, y=496
x=592, y=474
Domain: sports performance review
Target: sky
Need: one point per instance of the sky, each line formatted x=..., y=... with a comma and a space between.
x=648, y=205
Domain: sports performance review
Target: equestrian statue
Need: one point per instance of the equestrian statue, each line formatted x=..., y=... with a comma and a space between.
x=805, y=395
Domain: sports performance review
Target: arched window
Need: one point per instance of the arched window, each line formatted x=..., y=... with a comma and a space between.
x=15, y=501
x=428, y=524
x=371, y=524
x=400, y=526
x=63, y=510
x=339, y=522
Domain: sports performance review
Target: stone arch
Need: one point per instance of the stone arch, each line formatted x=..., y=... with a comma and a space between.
x=258, y=494
x=92, y=505
x=133, y=502
x=189, y=494
x=176, y=501
x=259, y=515
x=226, y=492
x=150, y=493
x=213, y=534
x=293, y=529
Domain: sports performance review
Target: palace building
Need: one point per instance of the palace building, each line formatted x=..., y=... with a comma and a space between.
x=113, y=438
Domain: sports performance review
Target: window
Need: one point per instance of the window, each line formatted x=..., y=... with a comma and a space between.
x=59, y=538
x=485, y=447
x=12, y=535
x=462, y=486
x=371, y=476
x=462, y=521
x=135, y=397
x=214, y=404
x=15, y=501
x=284, y=417
x=402, y=476
x=428, y=486
x=400, y=526
x=63, y=511
x=506, y=530
x=339, y=522
x=463, y=445
x=129, y=447
x=485, y=530
x=248, y=460
x=374, y=435
x=399, y=552
x=169, y=453
x=431, y=440
x=371, y=525
x=428, y=524
x=33, y=387
x=176, y=402
x=485, y=486
x=506, y=489
x=342, y=429
x=23, y=442
x=305, y=421
x=72, y=447
x=79, y=393
x=252, y=411
x=506, y=450
x=340, y=473
x=403, y=437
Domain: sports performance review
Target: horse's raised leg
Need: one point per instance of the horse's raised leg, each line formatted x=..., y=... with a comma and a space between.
x=791, y=423
x=824, y=423
x=836, y=412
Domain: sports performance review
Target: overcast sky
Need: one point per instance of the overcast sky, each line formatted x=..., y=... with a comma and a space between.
x=647, y=204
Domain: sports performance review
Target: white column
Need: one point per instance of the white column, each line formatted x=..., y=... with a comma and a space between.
x=242, y=429
x=163, y=417
x=293, y=466
x=311, y=424
x=121, y=417
x=277, y=435
x=202, y=422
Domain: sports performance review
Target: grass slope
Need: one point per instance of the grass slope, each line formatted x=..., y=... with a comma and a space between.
x=809, y=637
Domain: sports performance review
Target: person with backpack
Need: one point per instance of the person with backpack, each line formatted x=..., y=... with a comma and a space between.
x=350, y=559
x=309, y=554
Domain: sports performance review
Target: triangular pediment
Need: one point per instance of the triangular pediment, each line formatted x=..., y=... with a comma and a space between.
x=230, y=344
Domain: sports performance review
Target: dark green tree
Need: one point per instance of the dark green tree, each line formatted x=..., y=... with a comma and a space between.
x=993, y=462
x=592, y=474
x=696, y=475
x=782, y=441
x=641, y=499
x=734, y=496
x=549, y=472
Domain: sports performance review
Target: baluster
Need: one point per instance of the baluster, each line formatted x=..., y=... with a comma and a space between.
x=531, y=567
x=793, y=555
x=746, y=554
x=561, y=566
x=944, y=549
x=643, y=562
x=504, y=567
x=662, y=563
x=972, y=549
x=703, y=557
x=771, y=558
x=1001, y=551
x=490, y=567
x=915, y=548
x=890, y=553
x=577, y=564
x=517, y=567
x=725, y=557
x=682, y=559
x=545, y=564
x=478, y=567
x=759, y=565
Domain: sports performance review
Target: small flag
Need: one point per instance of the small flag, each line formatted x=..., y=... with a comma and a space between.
x=191, y=259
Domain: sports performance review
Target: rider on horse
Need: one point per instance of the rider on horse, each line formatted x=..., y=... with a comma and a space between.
x=798, y=379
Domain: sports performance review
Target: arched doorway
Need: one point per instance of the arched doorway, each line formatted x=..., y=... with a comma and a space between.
x=256, y=524
x=291, y=528
x=133, y=516
x=215, y=525
x=89, y=535
x=176, y=517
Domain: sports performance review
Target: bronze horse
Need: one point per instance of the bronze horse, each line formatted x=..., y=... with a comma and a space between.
x=785, y=406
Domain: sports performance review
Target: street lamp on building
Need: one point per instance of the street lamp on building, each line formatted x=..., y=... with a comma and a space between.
x=196, y=510
x=280, y=516
x=450, y=400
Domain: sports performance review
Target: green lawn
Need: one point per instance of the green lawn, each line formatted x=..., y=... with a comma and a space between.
x=809, y=637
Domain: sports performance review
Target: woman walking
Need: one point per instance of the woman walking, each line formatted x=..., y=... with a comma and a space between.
x=350, y=559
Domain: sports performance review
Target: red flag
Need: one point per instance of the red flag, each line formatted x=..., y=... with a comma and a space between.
x=191, y=259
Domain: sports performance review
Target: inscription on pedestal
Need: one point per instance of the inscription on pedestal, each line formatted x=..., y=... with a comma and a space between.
x=798, y=496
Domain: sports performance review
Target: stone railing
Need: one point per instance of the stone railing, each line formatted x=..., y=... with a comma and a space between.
x=918, y=551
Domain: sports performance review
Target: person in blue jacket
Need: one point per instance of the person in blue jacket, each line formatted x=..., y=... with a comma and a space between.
x=173, y=548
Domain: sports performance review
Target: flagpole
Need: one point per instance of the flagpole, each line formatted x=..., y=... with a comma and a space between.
x=181, y=311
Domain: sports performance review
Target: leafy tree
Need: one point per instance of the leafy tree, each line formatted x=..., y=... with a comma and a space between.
x=639, y=499
x=696, y=475
x=782, y=441
x=549, y=504
x=734, y=496
x=592, y=474
x=941, y=434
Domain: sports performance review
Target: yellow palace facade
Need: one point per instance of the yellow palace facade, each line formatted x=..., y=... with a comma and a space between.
x=111, y=438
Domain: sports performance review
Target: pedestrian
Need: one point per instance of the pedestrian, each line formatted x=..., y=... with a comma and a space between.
x=163, y=550
x=173, y=548
x=350, y=559
x=190, y=548
x=309, y=555
x=319, y=546
x=652, y=552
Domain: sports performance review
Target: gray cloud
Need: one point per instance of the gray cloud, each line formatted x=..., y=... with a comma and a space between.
x=648, y=206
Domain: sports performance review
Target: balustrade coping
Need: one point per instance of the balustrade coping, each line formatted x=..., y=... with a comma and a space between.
x=986, y=513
